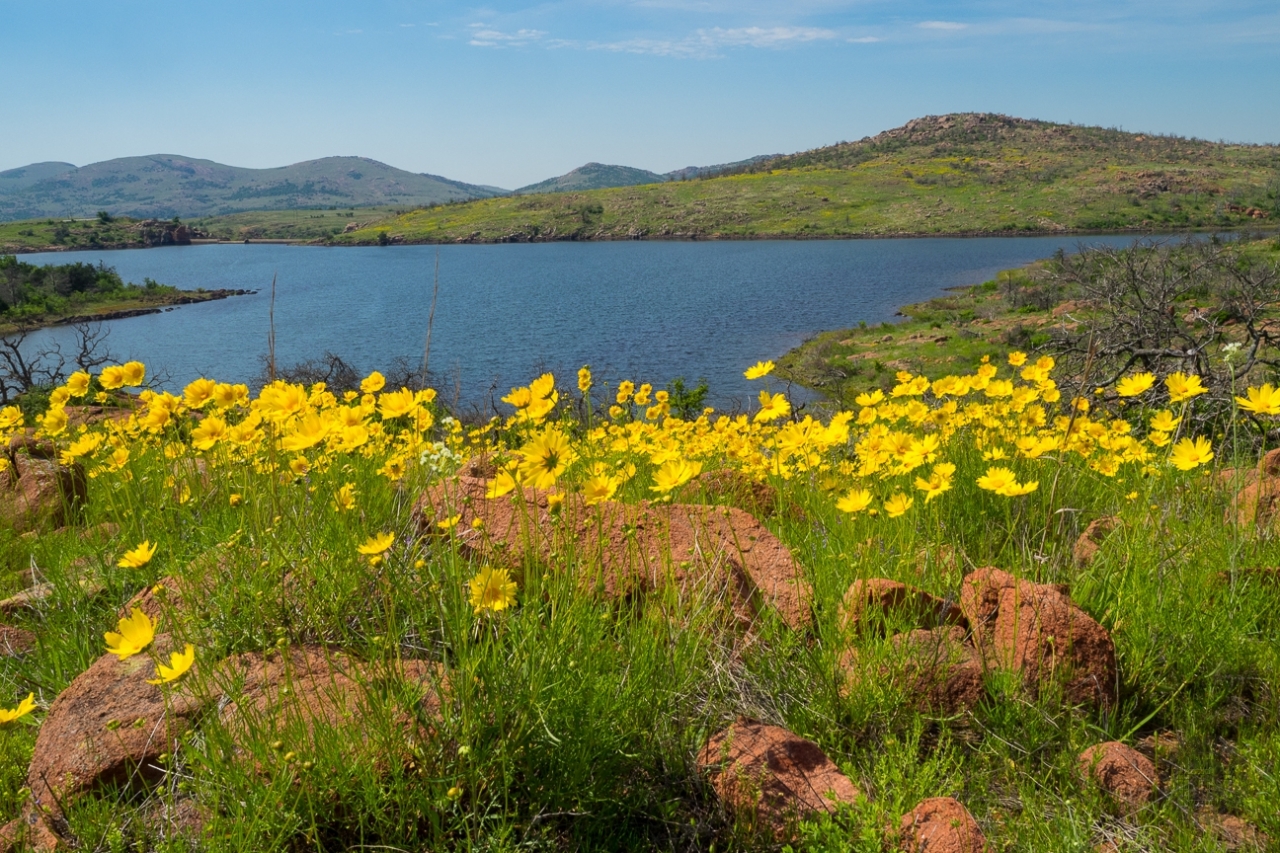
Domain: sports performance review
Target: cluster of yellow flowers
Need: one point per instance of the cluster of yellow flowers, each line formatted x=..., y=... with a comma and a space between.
x=875, y=458
x=891, y=445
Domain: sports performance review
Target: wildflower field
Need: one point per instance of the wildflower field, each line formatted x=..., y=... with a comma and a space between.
x=317, y=619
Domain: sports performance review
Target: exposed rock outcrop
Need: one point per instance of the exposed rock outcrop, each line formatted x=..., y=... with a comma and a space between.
x=632, y=549
x=1037, y=630
x=1123, y=772
x=771, y=777
x=39, y=494
x=867, y=600
x=940, y=825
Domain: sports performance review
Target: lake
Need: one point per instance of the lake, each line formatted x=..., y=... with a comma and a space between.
x=648, y=311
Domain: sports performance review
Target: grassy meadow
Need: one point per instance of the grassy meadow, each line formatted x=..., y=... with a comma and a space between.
x=555, y=716
x=302, y=225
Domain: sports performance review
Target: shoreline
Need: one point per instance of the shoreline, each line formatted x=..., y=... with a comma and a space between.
x=667, y=238
x=187, y=297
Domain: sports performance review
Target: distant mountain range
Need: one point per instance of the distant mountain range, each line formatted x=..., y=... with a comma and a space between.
x=599, y=176
x=165, y=185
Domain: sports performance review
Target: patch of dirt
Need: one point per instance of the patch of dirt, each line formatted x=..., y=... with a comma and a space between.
x=1234, y=833
x=291, y=691
x=15, y=642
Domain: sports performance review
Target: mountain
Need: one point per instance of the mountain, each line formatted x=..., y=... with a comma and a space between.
x=688, y=173
x=165, y=186
x=963, y=173
x=593, y=176
x=15, y=180
x=599, y=176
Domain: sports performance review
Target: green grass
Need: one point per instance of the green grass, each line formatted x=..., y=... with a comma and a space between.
x=289, y=224
x=34, y=235
x=581, y=718
x=999, y=176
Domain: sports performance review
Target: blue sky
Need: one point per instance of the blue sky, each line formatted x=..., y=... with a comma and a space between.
x=513, y=92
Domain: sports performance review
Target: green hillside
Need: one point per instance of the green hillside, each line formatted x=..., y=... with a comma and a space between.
x=594, y=176
x=165, y=186
x=954, y=174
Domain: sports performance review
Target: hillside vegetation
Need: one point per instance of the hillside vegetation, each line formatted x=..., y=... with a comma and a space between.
x=1208, y=308
x=165, y=186
x=955, y=174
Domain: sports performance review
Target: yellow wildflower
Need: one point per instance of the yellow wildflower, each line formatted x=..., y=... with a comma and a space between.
x=855, y=501
x=133, y=373
x=674, y=474
x=26, y=706
x=492, y=590
x=1132, y=386
x=1183, y=387
x=377, y=544
x=759, y=370
x=772, y=407
x=78, y=384
x=133, y=634
x=136, y=558
x=1188, y=454
x=898, y=505
x=179, y=663
x=1261, y=401
x=373, y=383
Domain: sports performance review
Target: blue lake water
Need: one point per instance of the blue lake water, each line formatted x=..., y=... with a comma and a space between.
x=648, y=311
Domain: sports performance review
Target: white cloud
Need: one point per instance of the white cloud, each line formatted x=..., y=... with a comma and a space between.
x=863, y=40
x=706, y=43
x=941, y=25
x=764, y=36
x=484, y=37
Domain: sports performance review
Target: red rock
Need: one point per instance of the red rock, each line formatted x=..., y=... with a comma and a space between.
x=15, y=642
x=865, y=596
x=944, y=671
x=772, y=777
x=940, y=825
x=1037, y=630
x=30, y=832
x=1257, y=500
x=1090, y=542
x=109, y=726
x=1121, y=771
x=627, y=549
x=295, y=689
x=39, y=494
